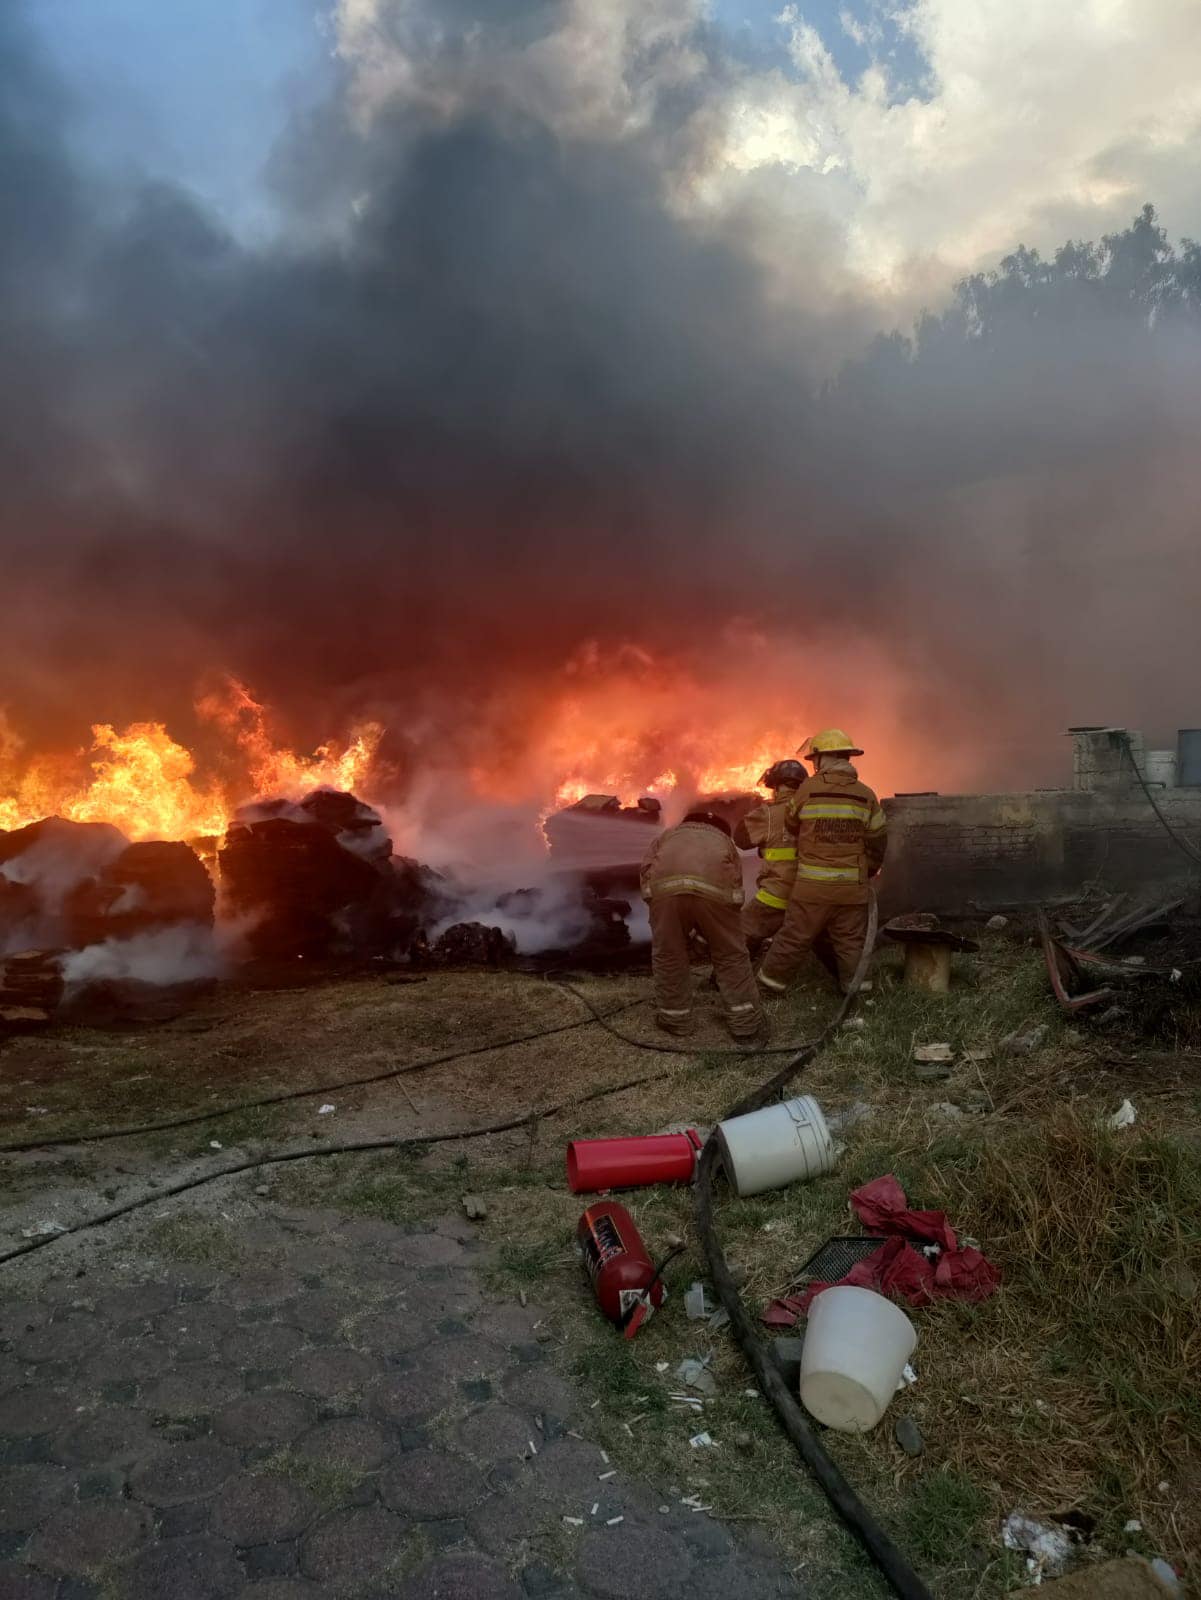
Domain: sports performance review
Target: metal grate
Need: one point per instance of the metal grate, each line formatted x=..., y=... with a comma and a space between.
x=836, y=1257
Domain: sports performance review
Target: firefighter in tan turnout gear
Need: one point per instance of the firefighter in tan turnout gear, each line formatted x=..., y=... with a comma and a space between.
x=765, y=829
x=692, y=882
x=841, y=837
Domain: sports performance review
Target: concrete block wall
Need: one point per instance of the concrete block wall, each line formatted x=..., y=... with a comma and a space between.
x=967, y=853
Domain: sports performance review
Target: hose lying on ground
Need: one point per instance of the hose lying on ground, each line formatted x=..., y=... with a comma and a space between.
x=887, y=1557
x=285, y=1095
x=349, y=1147
x=753, y=1047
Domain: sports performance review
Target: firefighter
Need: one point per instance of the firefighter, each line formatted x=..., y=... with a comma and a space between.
x=692, y=883
x=841, y=838
x=765, y=828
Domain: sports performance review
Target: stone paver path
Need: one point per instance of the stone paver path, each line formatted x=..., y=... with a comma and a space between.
x=347, y=1412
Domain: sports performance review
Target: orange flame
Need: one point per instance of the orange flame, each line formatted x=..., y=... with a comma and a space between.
x=147, y=785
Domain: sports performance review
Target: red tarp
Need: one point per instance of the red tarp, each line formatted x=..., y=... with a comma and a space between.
x=896, y=1268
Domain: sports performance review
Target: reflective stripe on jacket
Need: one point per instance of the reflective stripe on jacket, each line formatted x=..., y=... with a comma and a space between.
x=766, y=828
x=693, y=858
x=841, y=835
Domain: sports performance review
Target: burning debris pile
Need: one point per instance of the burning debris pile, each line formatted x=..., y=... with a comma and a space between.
x=318, y=877
x=106, y=928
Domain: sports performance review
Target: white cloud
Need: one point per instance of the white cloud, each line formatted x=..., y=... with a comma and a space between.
x=1035, y=120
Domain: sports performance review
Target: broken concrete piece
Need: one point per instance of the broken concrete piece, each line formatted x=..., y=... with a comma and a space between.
x=474, y=1206
x=909, y=1436
x=933, y=1052
x=1024, y=1041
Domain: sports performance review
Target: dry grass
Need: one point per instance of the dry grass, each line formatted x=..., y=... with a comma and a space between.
x=1075, y=1387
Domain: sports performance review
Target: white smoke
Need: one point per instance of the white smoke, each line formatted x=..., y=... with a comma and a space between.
x=186, y=953
x=548, y=916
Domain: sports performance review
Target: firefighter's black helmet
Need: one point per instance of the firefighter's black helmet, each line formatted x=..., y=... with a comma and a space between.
x=782, y=773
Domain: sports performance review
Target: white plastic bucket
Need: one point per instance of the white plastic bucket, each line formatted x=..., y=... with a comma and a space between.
x=856, y=1347
x=778, y=1145
x=1159, y=766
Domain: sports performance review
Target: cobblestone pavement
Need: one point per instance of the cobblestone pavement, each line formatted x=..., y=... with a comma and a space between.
x=347, y=1411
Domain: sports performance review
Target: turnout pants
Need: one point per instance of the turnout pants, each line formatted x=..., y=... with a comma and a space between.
x=805, y=922
x=673, y=917
x=761, y=923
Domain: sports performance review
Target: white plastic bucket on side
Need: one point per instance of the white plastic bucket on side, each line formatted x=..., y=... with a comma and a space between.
x=778, y=1145
x=856, y=1347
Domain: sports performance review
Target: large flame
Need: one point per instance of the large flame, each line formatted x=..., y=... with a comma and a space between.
x=144, y=782
x=629, y=723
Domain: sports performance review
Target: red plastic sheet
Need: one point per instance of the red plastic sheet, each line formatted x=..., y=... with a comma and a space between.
x=896, y=1269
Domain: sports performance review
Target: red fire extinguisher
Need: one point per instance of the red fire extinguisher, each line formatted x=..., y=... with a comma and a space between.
x=627, y=1284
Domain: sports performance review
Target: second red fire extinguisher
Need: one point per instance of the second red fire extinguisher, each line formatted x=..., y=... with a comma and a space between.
x=627, y=1284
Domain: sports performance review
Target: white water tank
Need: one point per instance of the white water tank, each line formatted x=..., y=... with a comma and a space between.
x=1159, y=767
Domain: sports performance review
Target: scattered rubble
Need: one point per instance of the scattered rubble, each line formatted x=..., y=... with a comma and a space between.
x=1024, y=1041
x=930, y=1053
x=909, y=1436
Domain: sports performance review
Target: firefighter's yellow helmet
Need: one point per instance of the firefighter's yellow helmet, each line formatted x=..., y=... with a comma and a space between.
x=830, y=742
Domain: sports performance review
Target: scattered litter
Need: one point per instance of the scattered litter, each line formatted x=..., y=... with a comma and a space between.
x=662, y=1366
x=752, y=1394
x=605, y=1457
x=719, y=1320
x=574, y=1522
x=1023, y=1042
x=533, y=1447
x=908, y=1377
x=933, y=1052
x=324, y=1111
x=37, y=1111
x=40, y=1229
x=855, y=1023
x=613, y=1521
x=696, y=1375
x=594, y=1405
x=944, y=1108
x=695, y=1308
x=1123, y=1117
x=474, y=1206
x=895, y=1268
x=977, y=1053
x=1133, y=1526
x=664, y=1511
x=1048, y=1550
x=603, y=1477
x=702, y=1441
x=595, y=1507
x=1134, y=961
x=215, y=1144
x=522, y=1298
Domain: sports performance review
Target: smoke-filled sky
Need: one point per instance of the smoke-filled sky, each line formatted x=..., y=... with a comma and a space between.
x=418, y=359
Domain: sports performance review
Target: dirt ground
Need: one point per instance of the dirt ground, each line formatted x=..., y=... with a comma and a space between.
x=1041, y=1400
